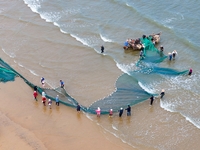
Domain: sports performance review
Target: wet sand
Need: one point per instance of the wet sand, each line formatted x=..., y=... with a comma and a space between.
x=27, y=124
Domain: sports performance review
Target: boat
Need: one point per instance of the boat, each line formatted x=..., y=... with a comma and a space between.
x=136, y=44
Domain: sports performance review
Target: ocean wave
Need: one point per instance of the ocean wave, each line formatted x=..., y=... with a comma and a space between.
x=126, y=68
x=145, y=88
x=33, y=5
x=50, y=16
x=169, y=107
x=83, y=41
x=105, y=39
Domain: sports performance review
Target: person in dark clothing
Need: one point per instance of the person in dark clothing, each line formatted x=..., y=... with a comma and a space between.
x=78, y=108
x=190, y=72
x=102, y=49
x=144, y=36
x=128, y=109
x=152, y=99
x=35, y=88
x=121, y=112
x=162, y=93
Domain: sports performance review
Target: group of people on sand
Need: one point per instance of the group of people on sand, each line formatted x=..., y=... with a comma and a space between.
x=35, y=94
x=121, y=110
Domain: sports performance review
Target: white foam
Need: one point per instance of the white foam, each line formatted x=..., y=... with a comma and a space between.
x=84, y=42
x=51, y=16
x=126, y=68
x=146, y=88
x=114, y=127
x=105, y=39
x=63, y=31
x=33, y=5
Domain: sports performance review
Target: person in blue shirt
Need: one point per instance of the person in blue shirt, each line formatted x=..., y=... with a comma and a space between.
x=42, y=81
x=61, y=84
x=57, y=100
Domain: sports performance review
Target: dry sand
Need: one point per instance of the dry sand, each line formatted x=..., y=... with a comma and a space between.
x=27, y=124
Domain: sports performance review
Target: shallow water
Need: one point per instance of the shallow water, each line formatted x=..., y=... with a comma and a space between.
x=61, y=40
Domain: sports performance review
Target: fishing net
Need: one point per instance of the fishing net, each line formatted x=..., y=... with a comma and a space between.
x=150, y=52
x=128, y=88
x=128, y=92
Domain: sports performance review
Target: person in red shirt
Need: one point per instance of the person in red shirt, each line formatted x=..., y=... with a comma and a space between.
x=44, y=100
x=35, y=94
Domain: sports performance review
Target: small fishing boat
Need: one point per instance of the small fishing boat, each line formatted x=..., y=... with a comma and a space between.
x=136, y=44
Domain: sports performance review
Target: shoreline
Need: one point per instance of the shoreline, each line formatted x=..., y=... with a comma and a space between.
x=27, y=124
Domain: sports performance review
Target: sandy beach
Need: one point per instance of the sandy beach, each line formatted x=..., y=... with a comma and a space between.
x=27, y=124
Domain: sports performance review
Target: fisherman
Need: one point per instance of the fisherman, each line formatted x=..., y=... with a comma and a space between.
x=190, y=72
x=42, y=81
x=44, y=100
x=62, y=84
x=43, y=94
x=161, y=48
x=110, y=113
x=152, y=99
x=170, y=56
x=128, y=109
x=174, y=53
x=35, y=94
x=98, y=111
x=102, y=49
x=35, y=88
x=78, y=108
x=162, y=93
x=120, y=112
x=57, y=100
x=144, y=36
x=142, y=53
x=49, y=103
x=161, y=51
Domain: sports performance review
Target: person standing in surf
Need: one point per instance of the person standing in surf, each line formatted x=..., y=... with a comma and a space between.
x=152, y=99
x=57, y=100
x=128, y=109
x=62, y=84
x=35, y=94
x=162, y=93
x=190, y=72
x=98, y=111
x=121, y=112
x=110, y=113
x=102, y=49
x=78, y=108
x=49, y=103
x=42, y=81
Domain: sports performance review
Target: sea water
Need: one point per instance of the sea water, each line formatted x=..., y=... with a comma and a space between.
x=61, y=39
